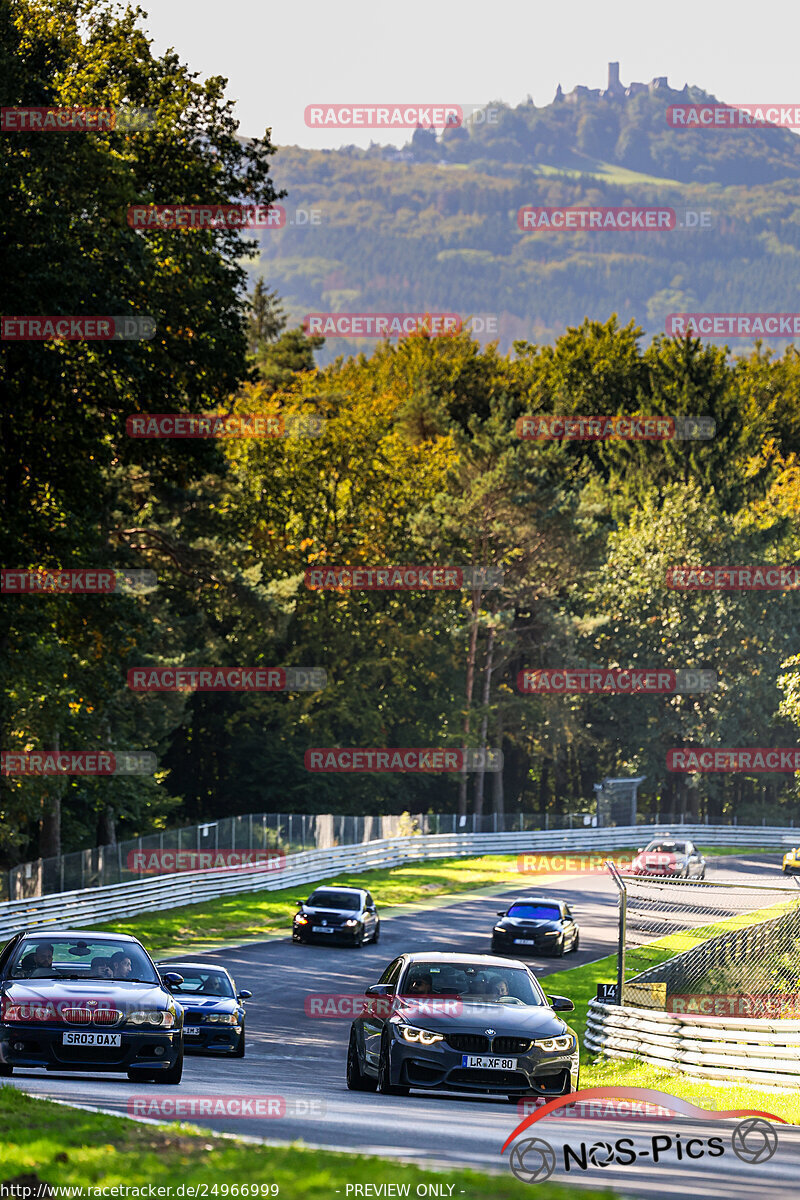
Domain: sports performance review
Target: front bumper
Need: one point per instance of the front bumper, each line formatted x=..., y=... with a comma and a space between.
x=506, y=943
x=340, y=935
x=440, y=1067
x=23, y=1045
x=213, y=1037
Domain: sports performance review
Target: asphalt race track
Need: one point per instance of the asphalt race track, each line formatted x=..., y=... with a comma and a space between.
x=302, y=1058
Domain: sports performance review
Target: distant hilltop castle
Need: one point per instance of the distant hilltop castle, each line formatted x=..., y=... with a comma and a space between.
x=614, y=90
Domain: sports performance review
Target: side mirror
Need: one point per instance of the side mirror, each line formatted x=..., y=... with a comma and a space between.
x=501, y=912
x=300, y=902
x=561, y=1004
x=380, y=989
x=244, y=994
x=172, y=979
x=640, y=850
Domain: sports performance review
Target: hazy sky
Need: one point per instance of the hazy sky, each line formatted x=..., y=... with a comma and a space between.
x=279, y=57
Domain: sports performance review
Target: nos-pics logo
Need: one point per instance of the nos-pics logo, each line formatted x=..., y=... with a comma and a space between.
x=532, y=1159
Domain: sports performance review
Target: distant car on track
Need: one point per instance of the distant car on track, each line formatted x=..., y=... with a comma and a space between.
x=672, y=858
x=83, y=1001
x=535, y=925
x=337, y=914
x=791, y=862
x=465, y=1023
x=214, y=1012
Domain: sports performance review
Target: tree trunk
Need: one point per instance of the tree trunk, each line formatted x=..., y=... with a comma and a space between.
x=487, y=692
x=498, y=797
x=50, y=824
x=473, y=643
x=106, y=828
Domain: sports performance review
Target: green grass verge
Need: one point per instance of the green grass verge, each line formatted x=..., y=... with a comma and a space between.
x=252, y=914
x=71, y=1147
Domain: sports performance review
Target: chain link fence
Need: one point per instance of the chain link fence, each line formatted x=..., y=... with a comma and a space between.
x=708, y=948
x=289, y=832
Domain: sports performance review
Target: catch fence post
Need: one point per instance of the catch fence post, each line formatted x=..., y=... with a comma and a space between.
x=623, y=925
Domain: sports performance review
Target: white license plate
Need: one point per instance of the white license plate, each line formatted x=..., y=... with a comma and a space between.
x=322, y=929
x=488, y=1062
x=76, y=1038
x=524, y=942
x=191, y=1031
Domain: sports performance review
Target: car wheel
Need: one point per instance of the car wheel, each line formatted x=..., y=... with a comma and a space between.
x=376, y=937
x=6, y=1070
x=173, y=1075
x=357, y=1081
x=239, y=1048
x=140, y=1076
x=385, y=1087
x=359, y=941
x=559, y=950
x=576, y=944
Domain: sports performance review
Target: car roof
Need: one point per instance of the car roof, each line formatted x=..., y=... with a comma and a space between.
x=160, y=962
x=49, y=935
x=329, y=887
x=537, y=900
x=478, y=960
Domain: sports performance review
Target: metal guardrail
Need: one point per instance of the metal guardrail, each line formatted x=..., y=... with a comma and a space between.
x=79, y=909
x=724, y=1048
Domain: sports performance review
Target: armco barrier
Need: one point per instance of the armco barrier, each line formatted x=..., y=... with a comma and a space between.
x=80, y=909
x=724, y=1048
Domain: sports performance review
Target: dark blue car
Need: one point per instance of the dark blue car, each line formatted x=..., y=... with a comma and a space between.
x=83, y=1001
x=214, y=1013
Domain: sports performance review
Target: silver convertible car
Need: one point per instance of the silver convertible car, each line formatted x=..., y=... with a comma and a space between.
x=464, y=1023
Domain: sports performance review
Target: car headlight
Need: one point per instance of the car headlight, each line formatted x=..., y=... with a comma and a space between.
x=551, y=933
x=165, y=1020
x=351, y=922
x=565, y=1042
x=224, y=1018
x=499, y=929
x=299, y=919
x=412, y=1033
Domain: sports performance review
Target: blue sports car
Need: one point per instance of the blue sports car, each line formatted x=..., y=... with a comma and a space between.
x=214, y=1013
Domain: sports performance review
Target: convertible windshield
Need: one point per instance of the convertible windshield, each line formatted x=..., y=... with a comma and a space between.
x=472, y=984
x=535, y=912
x=59, y=958
x=201, y=983
x=348, y=901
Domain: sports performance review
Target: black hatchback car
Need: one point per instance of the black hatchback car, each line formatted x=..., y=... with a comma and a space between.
x=536, y=925
x=464, y=1023
x=337, y=914
x=82, y=1001
x=214, y=1014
